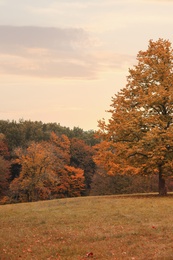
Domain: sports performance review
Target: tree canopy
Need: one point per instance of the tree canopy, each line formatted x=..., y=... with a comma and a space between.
x=138, y=138
x=46, y=171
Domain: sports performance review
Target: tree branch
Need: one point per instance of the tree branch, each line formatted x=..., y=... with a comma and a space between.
x=137, y=153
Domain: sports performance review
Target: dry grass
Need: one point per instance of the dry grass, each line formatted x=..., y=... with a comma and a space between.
x=111, y=227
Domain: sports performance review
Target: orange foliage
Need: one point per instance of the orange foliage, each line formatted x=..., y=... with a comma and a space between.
x=46, y=172
x=71, y=181
x=139, y=135
x=61, y=147
x=82, y=157
x=38, y=172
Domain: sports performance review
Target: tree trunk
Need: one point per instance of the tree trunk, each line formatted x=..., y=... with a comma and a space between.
x=162, y=185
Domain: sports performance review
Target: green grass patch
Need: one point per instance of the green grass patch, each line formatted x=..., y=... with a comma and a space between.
x=111, y=227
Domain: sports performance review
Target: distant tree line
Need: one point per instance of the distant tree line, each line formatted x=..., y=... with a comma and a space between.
x=24, y=131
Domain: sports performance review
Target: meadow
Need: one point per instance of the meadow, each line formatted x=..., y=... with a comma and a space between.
x=105, y=227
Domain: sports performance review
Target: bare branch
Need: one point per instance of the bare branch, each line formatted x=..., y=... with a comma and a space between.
x=137, y=153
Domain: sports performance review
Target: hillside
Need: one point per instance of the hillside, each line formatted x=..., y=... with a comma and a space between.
x=105, y=227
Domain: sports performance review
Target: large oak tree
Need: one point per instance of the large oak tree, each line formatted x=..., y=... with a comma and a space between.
x=138, y=139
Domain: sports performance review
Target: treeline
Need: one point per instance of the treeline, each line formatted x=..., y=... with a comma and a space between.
x=22, y=132
x=41, y=161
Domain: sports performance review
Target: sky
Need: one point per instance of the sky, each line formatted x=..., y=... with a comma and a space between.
x=63, y=61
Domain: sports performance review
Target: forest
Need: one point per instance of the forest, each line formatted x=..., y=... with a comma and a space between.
x=131, y=153
x=41, y=161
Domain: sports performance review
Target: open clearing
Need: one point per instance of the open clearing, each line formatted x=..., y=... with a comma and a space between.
x=108, y=227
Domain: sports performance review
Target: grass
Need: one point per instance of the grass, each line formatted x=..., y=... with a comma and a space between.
x=111, y=227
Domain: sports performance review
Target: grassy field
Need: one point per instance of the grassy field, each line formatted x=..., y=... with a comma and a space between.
x=108, y=227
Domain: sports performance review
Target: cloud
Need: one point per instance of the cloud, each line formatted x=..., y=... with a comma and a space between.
x=41, y=37
x=53, y=52
x=49, y=52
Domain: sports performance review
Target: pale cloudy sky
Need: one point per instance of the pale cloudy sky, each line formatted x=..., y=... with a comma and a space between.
x=62, y=61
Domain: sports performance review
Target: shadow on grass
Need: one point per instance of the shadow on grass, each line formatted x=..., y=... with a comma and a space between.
x=139, y=195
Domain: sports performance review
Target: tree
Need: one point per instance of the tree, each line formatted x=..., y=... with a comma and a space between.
x=38, y=174
x=138, y=138
x=71, y=177
x=4, y=166
x=71, y=182
x=13, y=132
x=46, y=172
x=4, y=176
x=82, y=157
x=3, y=146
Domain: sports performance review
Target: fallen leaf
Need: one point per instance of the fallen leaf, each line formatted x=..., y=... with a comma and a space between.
x=90, y=254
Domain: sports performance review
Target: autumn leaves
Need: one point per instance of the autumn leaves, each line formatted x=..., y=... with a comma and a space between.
x=46, y=172
x=141, y=125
